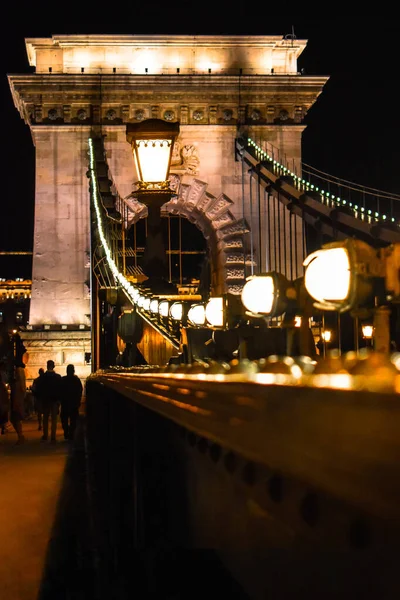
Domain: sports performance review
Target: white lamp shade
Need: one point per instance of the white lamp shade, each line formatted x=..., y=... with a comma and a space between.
x=154, y=306
x=146, y=304
x=215, y=312
x=176, y=311
x=163, y=308
x=152, y=158
x=327, y=276
x=140, y=300
x=197, y=314
x=258, y=295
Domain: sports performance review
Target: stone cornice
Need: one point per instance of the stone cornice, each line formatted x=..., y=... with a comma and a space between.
x=212, y=42
x=162, y=40
x=122, y=81
x=31, y=91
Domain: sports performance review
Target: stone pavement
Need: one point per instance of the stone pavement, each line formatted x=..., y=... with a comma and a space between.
x=31, y=481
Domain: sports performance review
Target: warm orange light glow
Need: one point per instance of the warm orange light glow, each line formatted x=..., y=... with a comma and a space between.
x=326, y=335
x=368, y=331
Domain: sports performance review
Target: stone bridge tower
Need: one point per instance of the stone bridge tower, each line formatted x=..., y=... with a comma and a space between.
x=217, y=87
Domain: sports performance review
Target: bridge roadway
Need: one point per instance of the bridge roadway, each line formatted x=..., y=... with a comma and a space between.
x=182, y=483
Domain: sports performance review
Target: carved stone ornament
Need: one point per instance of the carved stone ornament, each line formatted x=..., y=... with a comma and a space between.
x=169, y=115
x=174, y=182
x=111, y=114
x=283, y=115
x=185, y=159
x=81, y=114
x=198, y=115
x=255, y=115
x=139, y=114
x=227, y=114
x=52, y=114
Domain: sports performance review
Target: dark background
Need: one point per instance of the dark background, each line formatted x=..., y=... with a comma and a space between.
x=352, y=130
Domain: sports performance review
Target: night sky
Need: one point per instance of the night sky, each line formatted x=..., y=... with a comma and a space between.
x=352, y=130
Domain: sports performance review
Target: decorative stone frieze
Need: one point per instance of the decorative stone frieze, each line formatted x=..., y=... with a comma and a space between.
x=212, y=115
x=227, y=114
x=125, y=113
x=242, y=114
x=270, y=114
x=38, y=113
x=155, y=112
x=67, y=113
x=198, y=115
x=111, y=114
x=255, y=114
x=96, y=113
x=184, y=115
x=298, y=114
x=139, y=114
x=169, y=115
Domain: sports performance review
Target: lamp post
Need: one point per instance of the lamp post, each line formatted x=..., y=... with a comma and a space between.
x=271, y=295
x=152, y=142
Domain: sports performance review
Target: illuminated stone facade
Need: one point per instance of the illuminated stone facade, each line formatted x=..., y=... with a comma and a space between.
x=216, y=86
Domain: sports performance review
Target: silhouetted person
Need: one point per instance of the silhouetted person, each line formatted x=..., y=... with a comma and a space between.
x=17, y=400
x=3, y=404
x=71, y=396
x=38, y=403
x=49, y=389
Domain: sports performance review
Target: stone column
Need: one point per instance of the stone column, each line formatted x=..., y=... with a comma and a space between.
x=60, y=272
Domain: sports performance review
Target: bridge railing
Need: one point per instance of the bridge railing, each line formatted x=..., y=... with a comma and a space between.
x=306, y=462
x=367, y=204
x=335, y=216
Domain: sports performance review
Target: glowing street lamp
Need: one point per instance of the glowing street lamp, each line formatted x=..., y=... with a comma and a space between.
x=223, y=312
x=272, y=295
x=152, y=142
x=353, y=276
x=269, y=294
x=340, y=276
x=197, y=315
x=368, y=332
x=326, y=335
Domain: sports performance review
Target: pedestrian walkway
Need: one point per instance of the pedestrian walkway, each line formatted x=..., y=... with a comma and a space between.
x=32, y=488
x=66, y=523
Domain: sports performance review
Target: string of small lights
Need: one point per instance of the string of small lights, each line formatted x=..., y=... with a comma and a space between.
x=360, y=212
